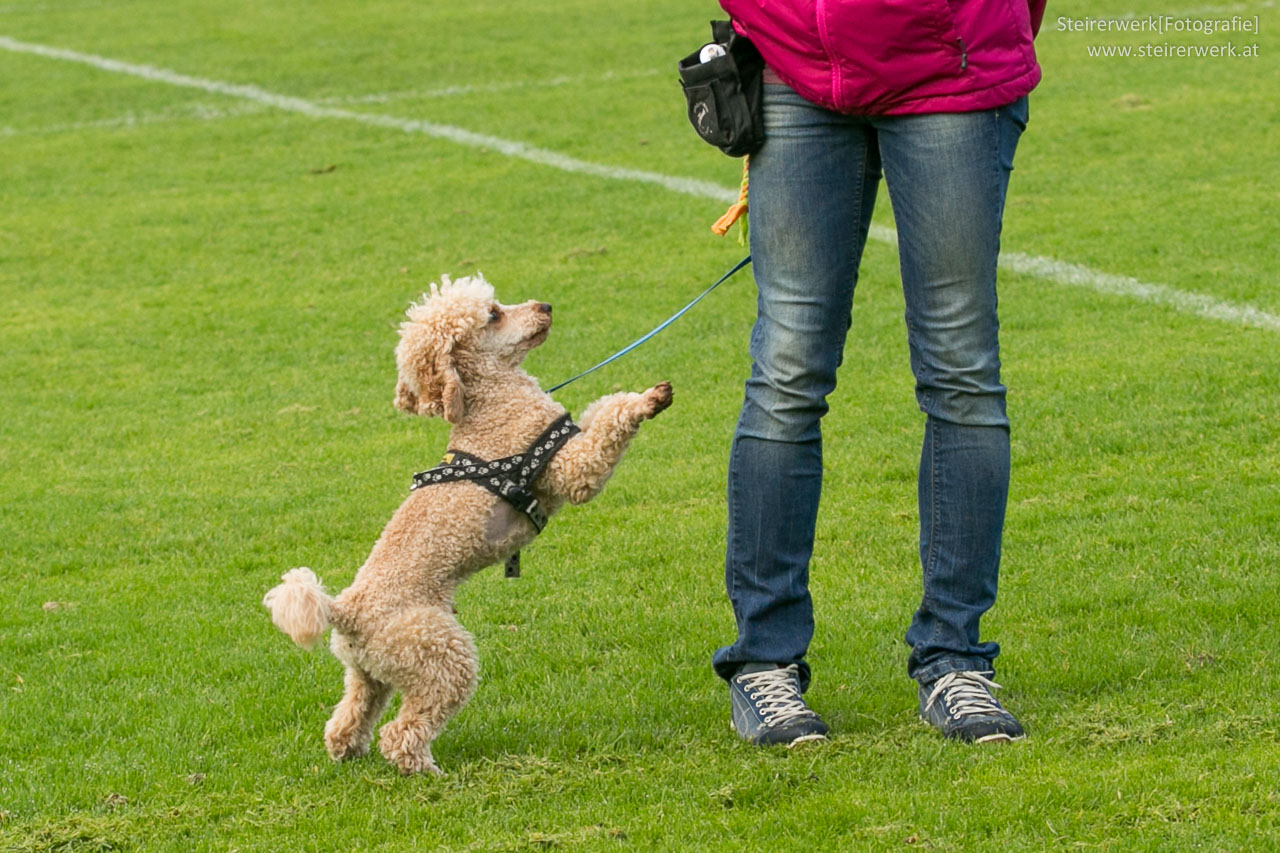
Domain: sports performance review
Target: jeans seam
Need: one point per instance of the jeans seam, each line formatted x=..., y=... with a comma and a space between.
x=735, y=509
x=997, y=197
x=855, y=249
x=931, y=561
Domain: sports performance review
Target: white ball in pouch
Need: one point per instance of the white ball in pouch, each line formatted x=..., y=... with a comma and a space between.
x=710, y=52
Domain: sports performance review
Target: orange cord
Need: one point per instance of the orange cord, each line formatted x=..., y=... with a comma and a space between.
x=738, y=210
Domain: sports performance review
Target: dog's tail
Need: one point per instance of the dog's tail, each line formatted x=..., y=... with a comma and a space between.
x=300, y=607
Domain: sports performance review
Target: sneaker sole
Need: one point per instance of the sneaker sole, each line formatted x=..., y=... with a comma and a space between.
x=999, y=738
x=802, y=739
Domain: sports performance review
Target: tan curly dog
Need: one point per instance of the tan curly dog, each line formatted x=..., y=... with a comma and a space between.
x=394, y=628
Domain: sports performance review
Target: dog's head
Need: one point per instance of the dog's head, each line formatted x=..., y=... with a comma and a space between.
x=458, y=334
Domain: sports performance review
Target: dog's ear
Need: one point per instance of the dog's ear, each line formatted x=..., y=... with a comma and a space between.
x=451, y=398
x=406, y=399
x=426, y=359
x=442, y=394
x=439, y=392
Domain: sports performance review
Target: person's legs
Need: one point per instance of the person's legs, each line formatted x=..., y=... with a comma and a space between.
x=947, y=176
x=813, y=187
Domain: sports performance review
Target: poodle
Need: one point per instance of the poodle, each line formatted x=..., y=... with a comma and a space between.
x=395, y=627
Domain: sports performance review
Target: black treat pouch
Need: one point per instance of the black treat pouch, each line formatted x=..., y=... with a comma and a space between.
x=724, y=93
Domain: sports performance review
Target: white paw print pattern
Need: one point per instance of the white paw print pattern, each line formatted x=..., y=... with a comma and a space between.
x=515, y=491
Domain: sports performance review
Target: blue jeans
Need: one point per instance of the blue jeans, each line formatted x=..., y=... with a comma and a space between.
x=813, y=187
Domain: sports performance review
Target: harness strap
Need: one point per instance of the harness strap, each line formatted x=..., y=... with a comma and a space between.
x=510, y=478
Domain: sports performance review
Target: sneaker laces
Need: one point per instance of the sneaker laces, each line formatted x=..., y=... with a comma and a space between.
x=966, y=694
x=775, y=693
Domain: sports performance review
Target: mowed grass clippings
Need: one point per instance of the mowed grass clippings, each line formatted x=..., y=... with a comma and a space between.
x=200, y=297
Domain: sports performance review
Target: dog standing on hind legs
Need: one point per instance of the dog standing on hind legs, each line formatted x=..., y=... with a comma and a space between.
x=394, y=628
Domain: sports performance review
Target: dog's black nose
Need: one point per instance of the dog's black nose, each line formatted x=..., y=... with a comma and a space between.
x=544, y=307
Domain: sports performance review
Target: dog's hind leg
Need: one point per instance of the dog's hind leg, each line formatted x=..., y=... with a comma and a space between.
x=350, y=730
x=432, y=660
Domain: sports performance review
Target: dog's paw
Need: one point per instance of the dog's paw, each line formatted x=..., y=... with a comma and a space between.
x=657, y=398
x=346, y=751
x=343, y=745
x=404, y=746
x=414, y=766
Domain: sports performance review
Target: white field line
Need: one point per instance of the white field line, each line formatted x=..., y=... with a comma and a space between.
x=287, y=103
x=1063, y=272
x=34, y=8
x=1049, y=269
x=484, y=88
x=1186, y=301
x=444, y=92
x=195, y=112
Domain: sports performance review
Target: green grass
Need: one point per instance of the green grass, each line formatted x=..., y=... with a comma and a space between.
x=197, y=316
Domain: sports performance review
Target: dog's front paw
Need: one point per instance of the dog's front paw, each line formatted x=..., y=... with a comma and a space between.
x=657, y=398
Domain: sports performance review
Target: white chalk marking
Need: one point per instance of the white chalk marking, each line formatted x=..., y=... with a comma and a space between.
x=287, y=103
x=34, y=8
x=195, y=112
x=1030, y=265
x=1076, y=275
x=485, y=88
x=1121, y=285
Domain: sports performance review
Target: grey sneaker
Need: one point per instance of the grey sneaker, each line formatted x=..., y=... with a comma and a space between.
x=767, y=708
x=961, y=706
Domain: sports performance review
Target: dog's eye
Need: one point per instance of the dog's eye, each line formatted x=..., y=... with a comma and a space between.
x=495, y=314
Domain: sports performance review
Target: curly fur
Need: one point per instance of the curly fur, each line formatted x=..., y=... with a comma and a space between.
x=394, y=628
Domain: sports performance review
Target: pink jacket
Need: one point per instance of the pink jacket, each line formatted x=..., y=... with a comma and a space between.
x=897, y=56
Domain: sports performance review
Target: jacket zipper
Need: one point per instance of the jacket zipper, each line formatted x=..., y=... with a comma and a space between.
x=833, y=58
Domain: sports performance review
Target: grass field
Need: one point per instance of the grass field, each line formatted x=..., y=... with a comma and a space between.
x=199, y=290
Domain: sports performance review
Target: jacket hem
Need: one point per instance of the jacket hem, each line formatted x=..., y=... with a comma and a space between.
x=986, y=98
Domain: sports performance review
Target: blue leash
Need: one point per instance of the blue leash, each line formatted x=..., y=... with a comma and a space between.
x=676, y=316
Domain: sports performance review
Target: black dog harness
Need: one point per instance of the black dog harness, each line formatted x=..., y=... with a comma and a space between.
x=510, y=478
